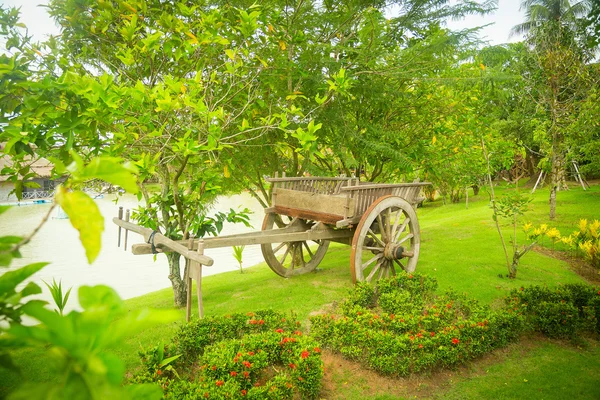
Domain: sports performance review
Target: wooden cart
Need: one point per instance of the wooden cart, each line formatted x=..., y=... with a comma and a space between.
x=377, y=220
x=306, y=214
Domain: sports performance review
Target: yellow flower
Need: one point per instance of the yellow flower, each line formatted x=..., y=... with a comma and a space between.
x=568, y=240
x=586, y=247
x=543, y=228
x=575, y=234
x=582, y=225
x=527, y=226
x=594, y=228
x=553, y=234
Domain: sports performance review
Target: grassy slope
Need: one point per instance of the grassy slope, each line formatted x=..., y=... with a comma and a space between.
x=460, y=247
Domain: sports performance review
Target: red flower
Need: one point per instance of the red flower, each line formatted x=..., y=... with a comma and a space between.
x=455, y=341
x=220, y=383
x=244, y=391
x=420, y=346
x=247, y=364
x=250, y=353
x=279, y=330
x=253, y=322
x=392, y=316
x=292, y=365
x=305, y=354
x=235, y=359
x=449, y=305
x=298, y=333
x=522, y=288
x=206, y=395
x=246, y=374
x=257, y=384
x=158, y=372
x=317, y=350
x=411, y=337
x=598, y=292
x=420, y=335
x=260, y=322
x=214, y=367
x=233, y=373
x=432, y=334
x=250, y=314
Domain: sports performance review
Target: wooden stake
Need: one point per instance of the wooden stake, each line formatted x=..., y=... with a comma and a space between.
x=199, y=280
x=188, y=281
x=120, y=217
x=126, y=230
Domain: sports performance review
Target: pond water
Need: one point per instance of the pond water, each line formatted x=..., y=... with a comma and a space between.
x=58, y=242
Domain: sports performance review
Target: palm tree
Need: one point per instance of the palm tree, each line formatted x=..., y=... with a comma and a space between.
x=540, y=11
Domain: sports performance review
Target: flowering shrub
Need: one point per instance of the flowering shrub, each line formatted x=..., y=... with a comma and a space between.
x=194, y=336
x=562, y=312
x=585, y=240
x=405, y=328
x=260, y=355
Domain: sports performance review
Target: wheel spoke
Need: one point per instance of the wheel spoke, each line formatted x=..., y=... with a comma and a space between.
x=404, y=239
x=276, y=249
x=372, y=260
x=401, y=229
x=308, y=249
x=285, y=254
x=373, y=248
x=374, y=236
x=396, y=222
x=381, y=228
x=301, y=254
x=375, y=269
x=392, y=269
x=388, y=223
x=400, y=264
x=381, y=270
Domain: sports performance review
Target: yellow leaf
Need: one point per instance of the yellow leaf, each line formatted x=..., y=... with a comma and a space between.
x=482, y=67
x=183, y=88
x=226, y=172
x=130, y=7
x=191, y=36
x=456, y=149
x=271, y=29
x=282, y=45
x=85, y=216
x=433, y=140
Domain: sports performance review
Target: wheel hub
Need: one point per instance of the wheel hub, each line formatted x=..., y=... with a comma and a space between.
x=393, y=251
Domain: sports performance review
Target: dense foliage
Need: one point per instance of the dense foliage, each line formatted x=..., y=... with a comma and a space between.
x=401, y=326
x=262, y=355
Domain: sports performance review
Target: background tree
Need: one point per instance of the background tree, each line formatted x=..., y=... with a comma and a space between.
x=562, y=77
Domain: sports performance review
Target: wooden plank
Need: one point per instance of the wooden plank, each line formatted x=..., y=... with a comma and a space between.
x=383, y=185
x=312, y=178
x=163, y=242
x=273, y=237
x=313, y=202
x=311, y=215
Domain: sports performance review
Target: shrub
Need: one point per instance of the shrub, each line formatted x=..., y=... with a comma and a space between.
x=405, y=328
x=258, y=355
x=563, y=312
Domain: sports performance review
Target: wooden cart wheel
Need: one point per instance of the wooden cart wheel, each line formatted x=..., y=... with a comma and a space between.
x=291, y=258
x=386, y=237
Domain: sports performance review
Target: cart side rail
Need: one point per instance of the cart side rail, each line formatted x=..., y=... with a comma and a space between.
x=365, y=194
x=312, y=184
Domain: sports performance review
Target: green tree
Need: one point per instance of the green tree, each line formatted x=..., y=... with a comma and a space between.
x=561, y=78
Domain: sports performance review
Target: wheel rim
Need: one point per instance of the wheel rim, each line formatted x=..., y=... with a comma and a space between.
x=388, y=229
x=291, y=258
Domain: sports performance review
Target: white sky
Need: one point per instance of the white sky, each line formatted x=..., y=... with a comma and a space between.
x=503, y=19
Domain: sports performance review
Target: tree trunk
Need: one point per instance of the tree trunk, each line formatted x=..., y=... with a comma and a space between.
x=557, y=179
x=177, y=283
x=475, y=190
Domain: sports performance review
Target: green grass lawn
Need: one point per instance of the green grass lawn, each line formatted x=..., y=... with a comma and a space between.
x=461, y=249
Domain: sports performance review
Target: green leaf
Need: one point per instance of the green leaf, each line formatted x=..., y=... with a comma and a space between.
x=9, y=280
x=145, y=391
x=100, y=296
x=85, y=216
x=31, y=289
x=112, y=170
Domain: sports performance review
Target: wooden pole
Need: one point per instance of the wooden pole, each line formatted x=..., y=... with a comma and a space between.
x=126, y=230
x=188, y=281
x=199, y=280
x=120, y=217
x=538, y=181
